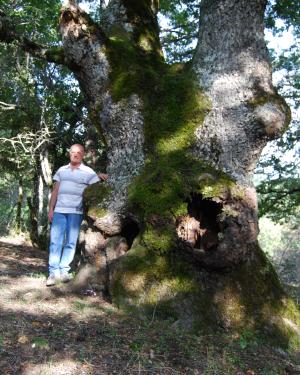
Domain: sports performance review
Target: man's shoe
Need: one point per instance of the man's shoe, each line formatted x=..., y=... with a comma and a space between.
x=51, y=280
x=66, y=277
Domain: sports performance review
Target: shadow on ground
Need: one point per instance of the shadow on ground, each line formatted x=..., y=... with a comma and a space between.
x=56, y=331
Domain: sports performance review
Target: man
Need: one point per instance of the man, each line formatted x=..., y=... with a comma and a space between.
x=65, y=213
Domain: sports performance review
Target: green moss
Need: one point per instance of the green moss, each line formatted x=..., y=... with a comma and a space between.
x=169, y=289
x=132, y=70
x=170, y=171
x=243, y=299
x=93, y=197
x=216, y=184
x=174, y=107
x=159, y=239
x=251, y=297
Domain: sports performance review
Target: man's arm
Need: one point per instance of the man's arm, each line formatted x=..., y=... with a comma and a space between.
x=53, y=200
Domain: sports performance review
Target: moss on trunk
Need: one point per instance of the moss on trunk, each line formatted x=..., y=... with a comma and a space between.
x=248, y=298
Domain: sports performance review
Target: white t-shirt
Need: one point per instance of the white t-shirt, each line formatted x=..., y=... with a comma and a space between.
x=72, y=183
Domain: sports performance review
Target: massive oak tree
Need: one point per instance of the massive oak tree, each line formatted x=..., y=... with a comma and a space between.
x=174, y=230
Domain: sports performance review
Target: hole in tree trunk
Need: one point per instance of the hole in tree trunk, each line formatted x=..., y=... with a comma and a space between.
x=200, y=228
x=130, y=230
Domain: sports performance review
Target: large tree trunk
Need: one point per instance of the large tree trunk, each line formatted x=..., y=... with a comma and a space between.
x=175, y=227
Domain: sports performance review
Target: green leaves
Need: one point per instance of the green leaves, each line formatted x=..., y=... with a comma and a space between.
x=40, y=343
x=179, y=35
x=279, y=198
x=286, y=10
x=35, y=19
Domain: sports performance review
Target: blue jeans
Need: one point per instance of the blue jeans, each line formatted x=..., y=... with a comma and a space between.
x=63, y=238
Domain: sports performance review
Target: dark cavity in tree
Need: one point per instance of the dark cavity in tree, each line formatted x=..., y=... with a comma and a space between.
x=200, y=228
x=130, y=230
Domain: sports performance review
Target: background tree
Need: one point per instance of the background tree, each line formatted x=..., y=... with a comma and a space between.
x=42, y=115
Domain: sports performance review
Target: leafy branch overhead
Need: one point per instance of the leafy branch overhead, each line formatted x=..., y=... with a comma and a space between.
x=10, y=34
x=279, y=198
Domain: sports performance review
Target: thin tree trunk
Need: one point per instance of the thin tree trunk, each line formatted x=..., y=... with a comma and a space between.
x=38, y=205
x=33, y=222
x=19, y=206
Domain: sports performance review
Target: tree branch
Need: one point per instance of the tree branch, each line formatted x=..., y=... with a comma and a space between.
x=7, y=106
x=8, y=34
x=173, y=39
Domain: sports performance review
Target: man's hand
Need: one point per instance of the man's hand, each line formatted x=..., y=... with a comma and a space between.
x=50, y=215
x=103, y=176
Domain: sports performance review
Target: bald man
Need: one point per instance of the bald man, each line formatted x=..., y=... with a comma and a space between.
x=65, y=213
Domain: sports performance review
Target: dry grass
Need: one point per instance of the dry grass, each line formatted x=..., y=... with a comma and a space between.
x=55, y=331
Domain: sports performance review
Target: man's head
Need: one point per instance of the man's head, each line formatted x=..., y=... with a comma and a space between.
x=76, y=154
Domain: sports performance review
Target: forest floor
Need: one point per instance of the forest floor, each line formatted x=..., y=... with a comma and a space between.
x=51, y=331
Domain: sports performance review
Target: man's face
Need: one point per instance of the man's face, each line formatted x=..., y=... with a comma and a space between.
x=76, y=154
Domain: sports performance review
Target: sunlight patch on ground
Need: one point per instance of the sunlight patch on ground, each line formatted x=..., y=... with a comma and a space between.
x=64, y=367
x=30, y=295
x=16, y=240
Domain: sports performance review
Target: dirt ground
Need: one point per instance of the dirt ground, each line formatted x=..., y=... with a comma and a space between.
x=54, y=331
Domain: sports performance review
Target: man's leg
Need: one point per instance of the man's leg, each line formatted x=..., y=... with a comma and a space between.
x=57, y=234
x=72, y=232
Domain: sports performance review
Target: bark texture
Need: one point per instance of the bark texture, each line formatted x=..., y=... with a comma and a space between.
x=121, y=122
x=232, y=65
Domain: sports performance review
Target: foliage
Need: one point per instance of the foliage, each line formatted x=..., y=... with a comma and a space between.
x=279, y=198
x=277, y=239
x=179, y=34
x=286, y=10
x=8, y=198
x=41, y=107
x=34, y=18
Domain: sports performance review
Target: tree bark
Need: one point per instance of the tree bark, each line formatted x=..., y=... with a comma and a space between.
x=232, y=65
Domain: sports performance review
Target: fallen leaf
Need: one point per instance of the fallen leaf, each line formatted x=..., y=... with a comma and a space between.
x=23, y=339
x=36, y=324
